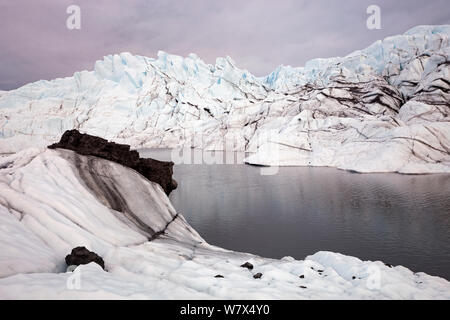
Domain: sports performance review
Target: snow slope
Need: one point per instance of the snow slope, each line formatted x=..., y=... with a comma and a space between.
x=54, y=200
x=384, y=108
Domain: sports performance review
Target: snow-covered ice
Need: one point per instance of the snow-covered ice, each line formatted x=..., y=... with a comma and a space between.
x=52, y=201
x=381, y=109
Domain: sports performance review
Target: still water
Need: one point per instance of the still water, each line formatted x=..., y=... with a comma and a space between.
x=398, y=219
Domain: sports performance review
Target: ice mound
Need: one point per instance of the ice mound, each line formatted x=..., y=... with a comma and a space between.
x=54, y=200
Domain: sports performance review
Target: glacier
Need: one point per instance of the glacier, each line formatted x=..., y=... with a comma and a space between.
x=381, y=109
x=50, y=202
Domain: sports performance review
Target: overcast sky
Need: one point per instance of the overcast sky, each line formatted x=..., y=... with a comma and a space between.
x=259, y=35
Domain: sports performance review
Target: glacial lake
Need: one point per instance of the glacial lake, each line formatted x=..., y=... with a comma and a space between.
x=398, y=219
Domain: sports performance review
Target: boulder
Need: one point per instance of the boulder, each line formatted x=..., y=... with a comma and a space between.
x=81, y=255
x=247, y=265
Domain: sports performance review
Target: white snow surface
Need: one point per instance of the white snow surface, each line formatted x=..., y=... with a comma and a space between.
x=381, y=109
x=51, y=201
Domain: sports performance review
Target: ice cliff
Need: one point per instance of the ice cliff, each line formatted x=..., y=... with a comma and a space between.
x=381, y=109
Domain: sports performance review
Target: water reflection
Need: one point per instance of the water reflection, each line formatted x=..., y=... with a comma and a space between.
x=399, y=219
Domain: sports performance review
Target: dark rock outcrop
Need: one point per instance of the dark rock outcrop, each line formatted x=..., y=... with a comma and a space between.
x=81, y=255
x=157, y=171
x=258, y=275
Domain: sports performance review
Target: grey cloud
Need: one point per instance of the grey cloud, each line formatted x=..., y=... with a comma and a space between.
x=258, y=35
